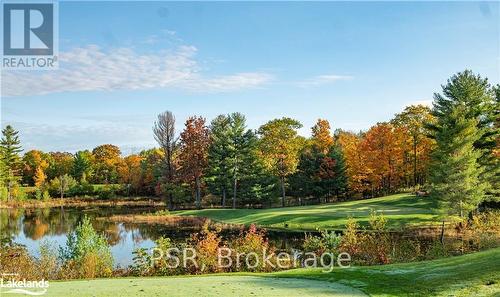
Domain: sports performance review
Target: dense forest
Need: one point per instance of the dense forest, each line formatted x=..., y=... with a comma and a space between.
x=450, y=151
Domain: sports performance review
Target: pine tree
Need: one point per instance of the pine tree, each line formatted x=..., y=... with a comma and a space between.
x=9, y=152
x=231, y=155
x=218, y=175
x=456, y=172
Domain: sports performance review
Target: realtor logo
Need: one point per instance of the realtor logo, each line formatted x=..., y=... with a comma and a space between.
x=29, y=35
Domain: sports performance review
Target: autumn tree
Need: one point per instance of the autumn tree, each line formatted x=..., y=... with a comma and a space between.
x=456, y=171
x=39, y=178
x=60, y=163
x=10, y=147
x=106, y=158
x=382, y=151
x=35, y=164
x=413, y=121
x=356, y=162
x=194, y=143
x=164, y=133
x=322, y=136
x=152, y=170
x=279, y=146
x=129, y=172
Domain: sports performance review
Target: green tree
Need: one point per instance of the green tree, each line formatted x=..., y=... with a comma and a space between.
x=62, y=184
x=85, y=245
x=456, y=173
x=218, y=177
x=243, y=158
x=279, y=146
x=10, y=147
x=332, y=173
x=82, y=165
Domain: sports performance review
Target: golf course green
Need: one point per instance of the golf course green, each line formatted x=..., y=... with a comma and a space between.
x=468, y=275
x=399, y=209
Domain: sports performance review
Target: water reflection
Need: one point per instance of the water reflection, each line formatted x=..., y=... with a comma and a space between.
x=31, y=227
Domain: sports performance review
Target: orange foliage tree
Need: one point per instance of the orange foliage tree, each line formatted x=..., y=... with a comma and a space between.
x=194, y=143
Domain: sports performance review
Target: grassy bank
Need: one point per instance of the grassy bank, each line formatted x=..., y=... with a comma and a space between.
x=400, y=209
x=468, y=275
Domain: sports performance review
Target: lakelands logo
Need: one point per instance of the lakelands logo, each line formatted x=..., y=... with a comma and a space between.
x=25, y=287
x=30, y=35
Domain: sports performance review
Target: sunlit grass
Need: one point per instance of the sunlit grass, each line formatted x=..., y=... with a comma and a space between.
x=401, y=210
x=468, y=275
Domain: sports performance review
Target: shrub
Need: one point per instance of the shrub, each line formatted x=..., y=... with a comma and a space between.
x=106, y=192
x=326, y=242
x=38, y=194
x=350, y=242
x=46, y=195
x=88, y=252
x=252, y=241
x=207, y=244
x=48, y=265
x=62, y=185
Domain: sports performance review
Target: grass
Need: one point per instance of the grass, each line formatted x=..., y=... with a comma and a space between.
x=400, y=209
x=468, y=275
x=475, y=274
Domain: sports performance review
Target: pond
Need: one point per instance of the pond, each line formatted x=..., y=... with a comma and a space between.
x=31, y=227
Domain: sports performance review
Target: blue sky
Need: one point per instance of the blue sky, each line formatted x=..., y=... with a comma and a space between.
x=352, y=63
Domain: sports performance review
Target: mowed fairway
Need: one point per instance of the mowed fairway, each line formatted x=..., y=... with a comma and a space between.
x=469, y=275
x=203, y=286
x=400, y=209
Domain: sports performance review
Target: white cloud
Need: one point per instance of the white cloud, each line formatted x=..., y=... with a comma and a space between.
x=94, y=69
x=324, y=79
x=74, y=137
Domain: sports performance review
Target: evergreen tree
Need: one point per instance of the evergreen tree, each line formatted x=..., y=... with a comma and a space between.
x=9, y=152
x=219, y=154
x=456, y=172
x=332, y=173
x=231, y=155
x=82, y=165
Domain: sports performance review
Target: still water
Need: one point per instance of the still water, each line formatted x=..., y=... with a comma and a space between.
x=31, y=227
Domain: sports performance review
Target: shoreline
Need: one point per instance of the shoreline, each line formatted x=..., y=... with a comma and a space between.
x=83, y=202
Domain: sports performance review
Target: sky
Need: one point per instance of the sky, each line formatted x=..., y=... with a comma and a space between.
x=352, y=63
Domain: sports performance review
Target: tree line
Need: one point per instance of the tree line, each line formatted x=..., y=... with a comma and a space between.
x=450, y=151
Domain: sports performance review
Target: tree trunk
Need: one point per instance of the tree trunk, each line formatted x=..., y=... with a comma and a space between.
x=223, y=203
x=170, y=201
x=442, y=234
x=414, y=164
x=198, y=192
x=283, y=194
x=235, y=185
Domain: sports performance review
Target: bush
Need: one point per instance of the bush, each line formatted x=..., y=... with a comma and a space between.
x=252, y=241
x=62, y=185
x=88, y=252
x=327, y=242
x=106, y=192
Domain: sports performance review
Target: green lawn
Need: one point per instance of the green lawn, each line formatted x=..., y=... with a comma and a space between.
x=475, y=274
x=400, y=209
x=469, y=275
